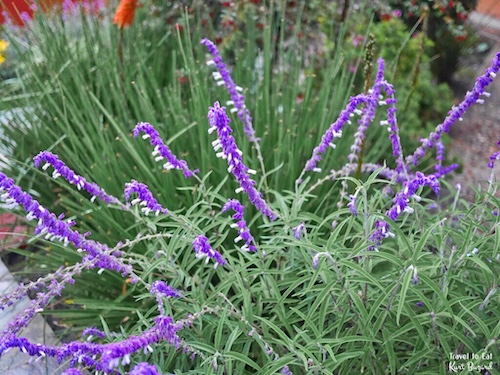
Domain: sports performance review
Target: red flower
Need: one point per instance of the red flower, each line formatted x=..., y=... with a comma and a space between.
x=179, y=27
x=385, y=17
x=125, y=13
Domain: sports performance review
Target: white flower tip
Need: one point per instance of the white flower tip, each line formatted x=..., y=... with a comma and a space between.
x=145, y=136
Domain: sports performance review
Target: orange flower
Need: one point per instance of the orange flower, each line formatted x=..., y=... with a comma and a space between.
x=125, y=13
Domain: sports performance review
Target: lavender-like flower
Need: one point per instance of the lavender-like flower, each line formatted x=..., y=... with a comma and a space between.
x=219, y=121
x=440, y=149
x=494, y=158
x=237, y=99
x=286, y=371
x=203, y=249
x=102, y=357
x=243, y=231
x=92, y=332
x=98, y=255
x=409, y=190
x=335, y=131
x=144, y=368
x=381, y=232
x=72, y=371
x=352, y=205
x=368, y=114
x=457, y=112
x=161, y=289
x=397, y=150
x=144, y=198
x=297, y=231
x=161, y=150
x=60, y=169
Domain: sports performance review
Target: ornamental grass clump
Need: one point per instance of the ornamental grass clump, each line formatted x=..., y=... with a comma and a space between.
x=389, y=284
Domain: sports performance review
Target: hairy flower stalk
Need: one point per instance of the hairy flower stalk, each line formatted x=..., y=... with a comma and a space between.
x=397, y=150
x=161, y=150
x=219, y=121
x=203, y=249
x=60, y=169
x=243, y=231
x=458, y=111
x=368, y=113
x=334, y=131
x=98, y=255
x=160, y=290
x=237, y=99
x=144, y=198
x=223, y=77
x=101, y=357
x=410, y=188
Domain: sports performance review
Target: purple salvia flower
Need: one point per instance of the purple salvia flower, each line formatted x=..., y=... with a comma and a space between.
x=237, y=99
x=92, y=332
x=286, y=371
x=161, y=289
x=203, y=249
x=144, y=368
x=368, y=114
x=440, y=149
x=445, y=170
x=102, y=357
x=219, y=121
x=495, y=212
x=60, y=169
x=49, y=223
x=409, y=190
x=335, y=131
x=457, y=112
x=243, y=231
x=494, y=157
x=352, y=205
x=381, y=232
x=297, y=231
x=397, y=150
x=144, y=198
x=414, y=278
x=419, y=304
x=161, y=150
x=72, y=371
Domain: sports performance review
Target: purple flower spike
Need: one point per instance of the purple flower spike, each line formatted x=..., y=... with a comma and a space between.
x=494, y=157
x=161, y=150
x=352, y=205
x=72, y=371
x=92, y=332
x=368, y=114
x=161, y=288
x=144, y=198
x=381, y=232
x=219, y=121
x=243, y=231
x=144, y=368
x=203, y=249
x=409, y=190
x=297, y=231
x=335, y=131
x=286, y=371
x=60, y=169
x=237, y=99
x=457, y=112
